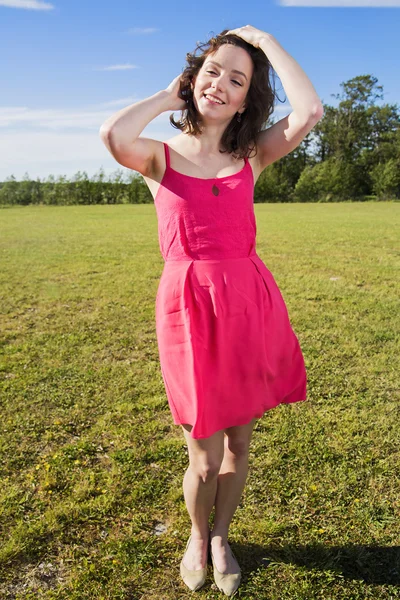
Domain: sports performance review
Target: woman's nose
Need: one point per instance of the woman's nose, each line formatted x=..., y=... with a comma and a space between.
x=218, y=83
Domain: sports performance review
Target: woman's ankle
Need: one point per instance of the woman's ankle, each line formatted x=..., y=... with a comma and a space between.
x=198, y=534
x=219, y=534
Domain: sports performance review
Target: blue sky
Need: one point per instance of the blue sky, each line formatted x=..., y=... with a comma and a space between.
x=66, y=66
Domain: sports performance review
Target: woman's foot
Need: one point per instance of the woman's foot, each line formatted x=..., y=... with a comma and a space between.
x=196, y=555
x=224, y=560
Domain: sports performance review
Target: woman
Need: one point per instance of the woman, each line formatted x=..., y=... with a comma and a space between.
x=227, y=350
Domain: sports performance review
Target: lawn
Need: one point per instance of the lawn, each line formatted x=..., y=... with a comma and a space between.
x=91, y=496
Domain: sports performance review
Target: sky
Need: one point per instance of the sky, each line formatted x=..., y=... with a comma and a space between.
x=66, y=66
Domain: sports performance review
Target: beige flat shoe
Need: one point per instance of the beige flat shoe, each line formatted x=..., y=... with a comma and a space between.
x=193, y=579
x=227, y=583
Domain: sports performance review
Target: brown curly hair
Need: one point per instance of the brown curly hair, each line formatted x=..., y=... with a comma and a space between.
x=239, y=137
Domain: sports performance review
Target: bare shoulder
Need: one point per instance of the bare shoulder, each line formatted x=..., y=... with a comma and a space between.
x=255, y=166
x=146, y=157
x=284, y=136
x=188, y=165
x=156, y=168
x=141, y=155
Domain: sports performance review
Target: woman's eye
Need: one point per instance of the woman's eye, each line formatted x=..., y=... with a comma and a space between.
x=234, y=80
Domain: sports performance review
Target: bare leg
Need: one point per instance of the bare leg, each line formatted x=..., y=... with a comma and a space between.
x=199, y=488
x=230, y=485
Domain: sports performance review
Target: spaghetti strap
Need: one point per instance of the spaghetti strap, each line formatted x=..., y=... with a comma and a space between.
x=166, y=150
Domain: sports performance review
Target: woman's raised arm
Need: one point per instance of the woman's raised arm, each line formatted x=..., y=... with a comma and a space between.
x=120, y=132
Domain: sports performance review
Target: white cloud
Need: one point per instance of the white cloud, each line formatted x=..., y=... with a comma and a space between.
x=41, y=154
x=86, y=118
x=64, y=141
x=120, y=102
x=58, y=119
x=51, y=119
x=48, y=141
x=117, y=68
x=142, y=30
x=27, y=4
x=49, y=147
x=343, y=3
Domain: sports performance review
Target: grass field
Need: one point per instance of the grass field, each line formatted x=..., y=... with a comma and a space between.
x=91, y=496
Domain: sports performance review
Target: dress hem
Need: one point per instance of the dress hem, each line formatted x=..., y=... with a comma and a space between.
x=257, y=416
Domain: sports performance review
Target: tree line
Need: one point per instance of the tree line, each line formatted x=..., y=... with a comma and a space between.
x=352, y=153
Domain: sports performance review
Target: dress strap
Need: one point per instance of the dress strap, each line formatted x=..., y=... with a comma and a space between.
x=166, y=150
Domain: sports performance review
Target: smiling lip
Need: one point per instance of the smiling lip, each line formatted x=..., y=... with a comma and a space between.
x=216, y=97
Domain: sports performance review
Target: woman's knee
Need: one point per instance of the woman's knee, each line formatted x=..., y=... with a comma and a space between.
x=205, y=470
x=237, y=439
x=205, y=454
x=238, y=447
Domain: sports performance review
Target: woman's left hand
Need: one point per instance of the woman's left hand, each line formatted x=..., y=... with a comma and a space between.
x=249, y=34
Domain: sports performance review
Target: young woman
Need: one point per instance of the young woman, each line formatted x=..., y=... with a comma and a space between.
x=227, y=350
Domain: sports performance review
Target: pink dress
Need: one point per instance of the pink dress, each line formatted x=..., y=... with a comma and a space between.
x=227, y=350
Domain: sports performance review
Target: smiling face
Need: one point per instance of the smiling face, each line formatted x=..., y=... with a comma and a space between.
x=229, y=80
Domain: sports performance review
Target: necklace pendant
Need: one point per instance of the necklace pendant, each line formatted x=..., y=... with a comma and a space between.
x=215, y=190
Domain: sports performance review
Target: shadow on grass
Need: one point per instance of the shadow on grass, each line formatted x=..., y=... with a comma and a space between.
x=372, y=564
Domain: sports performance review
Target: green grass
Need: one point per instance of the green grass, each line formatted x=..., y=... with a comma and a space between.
x=91, y=496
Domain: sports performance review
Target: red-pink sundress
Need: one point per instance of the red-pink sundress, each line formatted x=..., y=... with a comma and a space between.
x=227, y=349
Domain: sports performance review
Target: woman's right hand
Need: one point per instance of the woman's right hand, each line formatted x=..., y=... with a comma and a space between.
x=175, y=90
